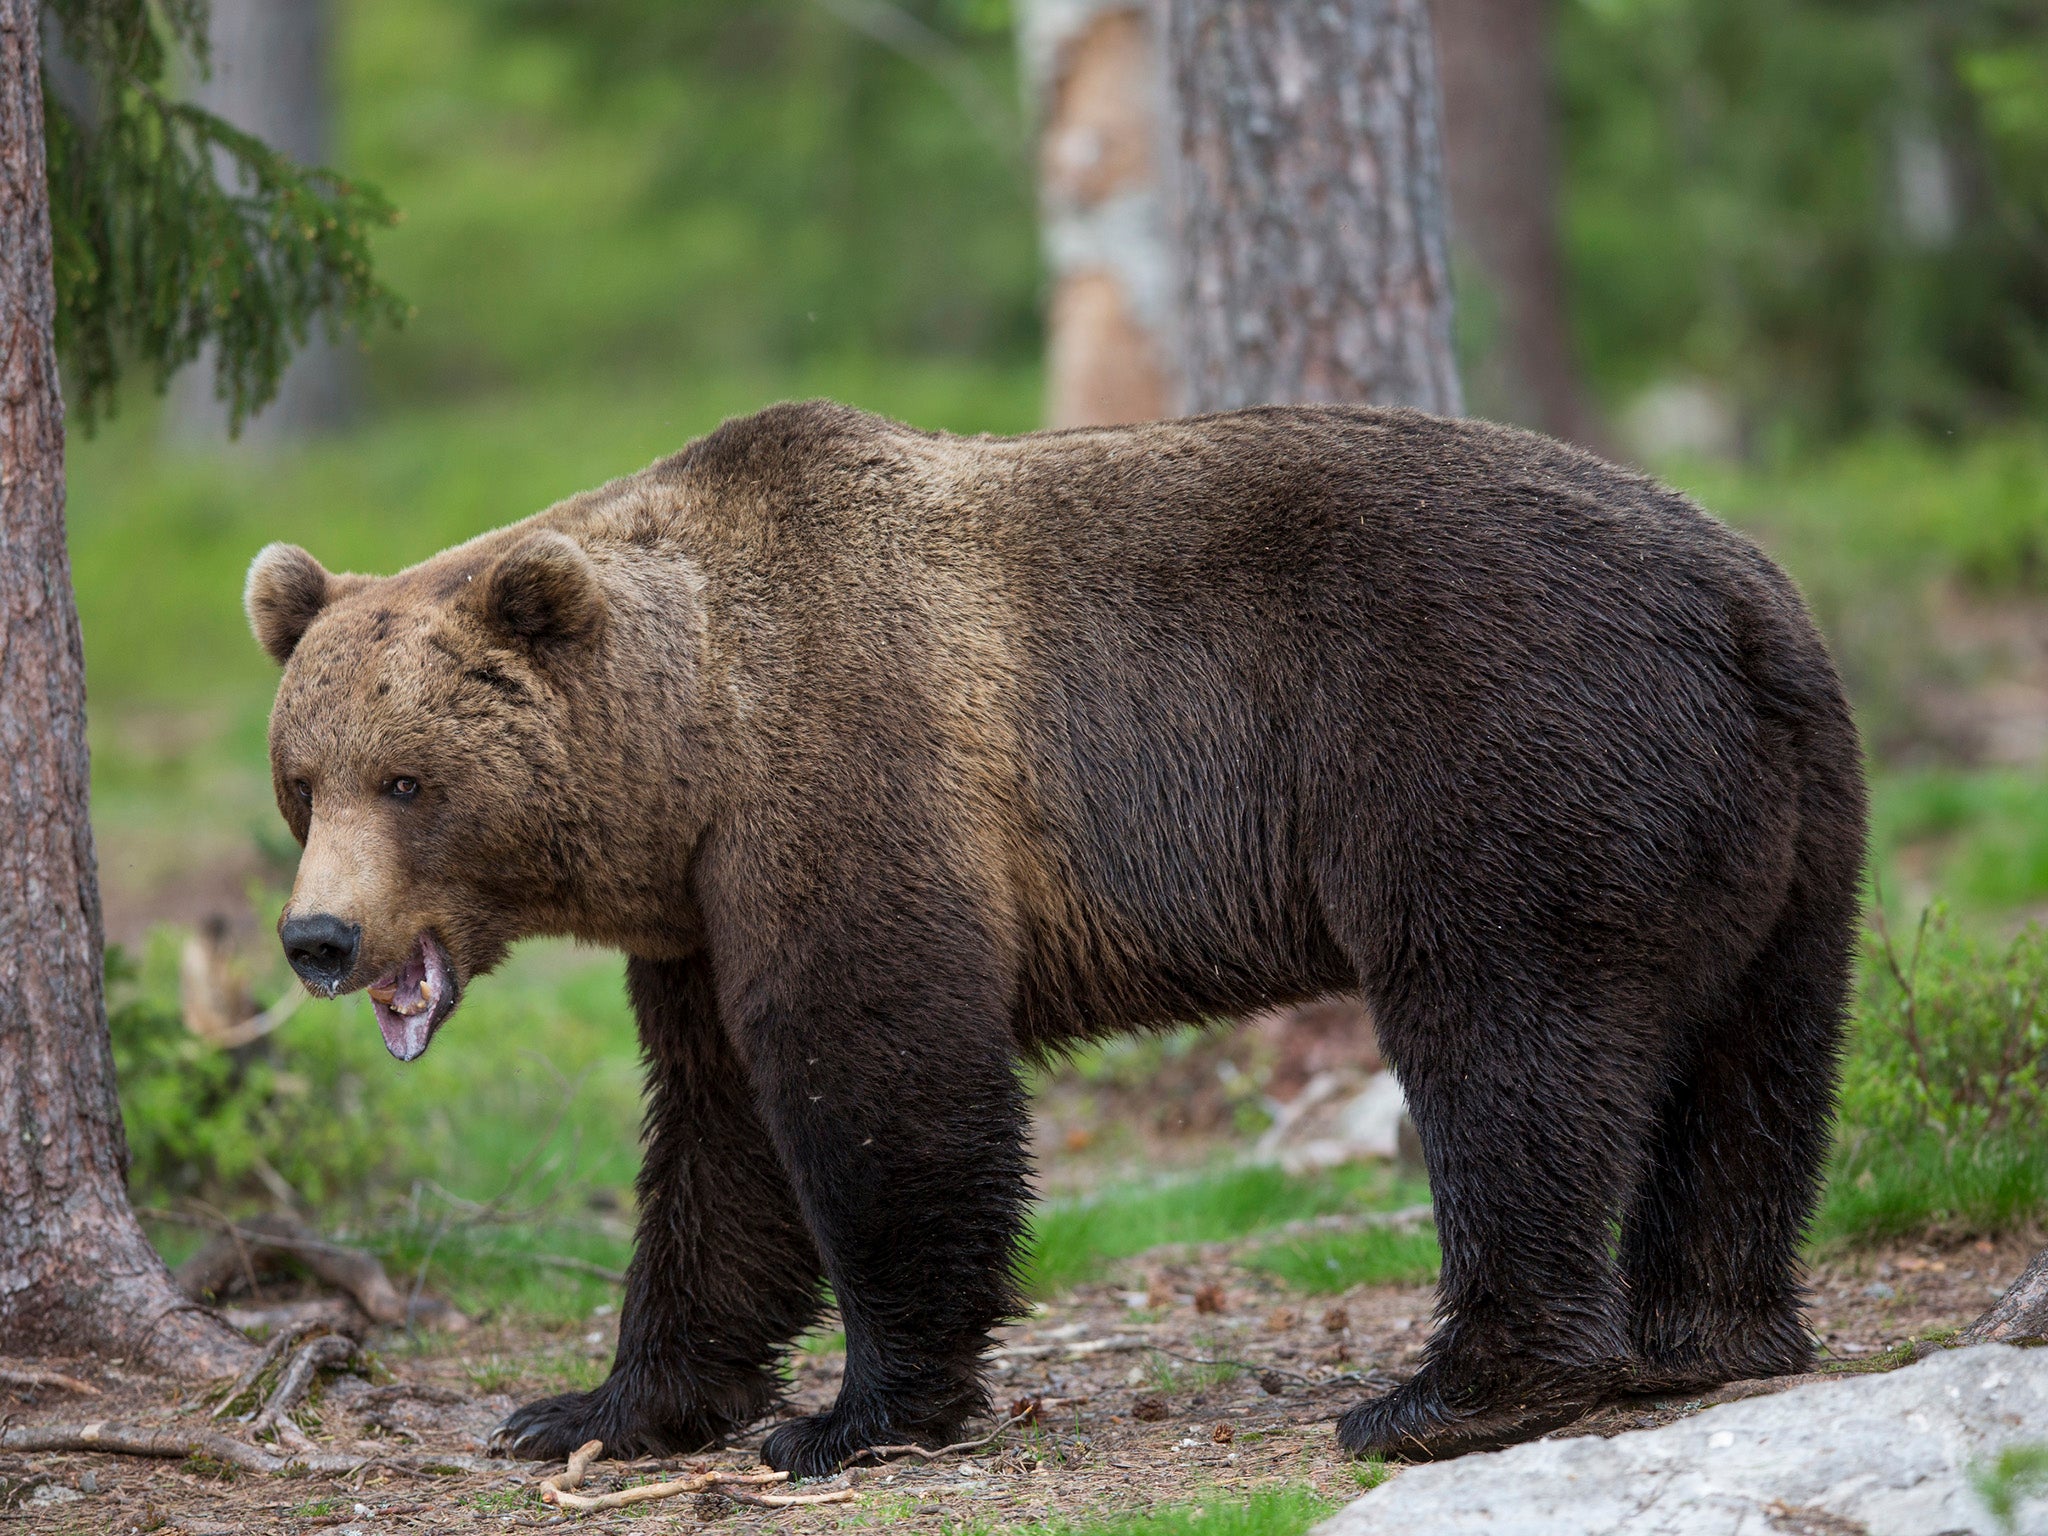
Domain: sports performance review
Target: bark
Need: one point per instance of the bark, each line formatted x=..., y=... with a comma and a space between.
x=269, y=78
x=1500, y=155
x=1094, y=71
x=1311, y=204
x=2021, y=1315
x=76, y=1272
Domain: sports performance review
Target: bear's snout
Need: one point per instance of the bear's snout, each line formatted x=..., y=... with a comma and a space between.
x=322, y=949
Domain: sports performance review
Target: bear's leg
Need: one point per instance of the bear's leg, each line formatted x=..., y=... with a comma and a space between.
x=723, y=1274
x=1710, y=1245
x=1533, y=1121
x=894, y=1101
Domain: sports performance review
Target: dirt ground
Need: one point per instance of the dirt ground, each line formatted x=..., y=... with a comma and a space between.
x=1181, y=1376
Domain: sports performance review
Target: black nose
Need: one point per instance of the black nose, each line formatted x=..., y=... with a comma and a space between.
x=322, y=949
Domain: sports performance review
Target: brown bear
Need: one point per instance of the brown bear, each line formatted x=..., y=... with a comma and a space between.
x=890, y=758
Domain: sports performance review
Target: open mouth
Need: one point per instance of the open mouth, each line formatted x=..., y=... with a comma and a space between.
x=413, y=1000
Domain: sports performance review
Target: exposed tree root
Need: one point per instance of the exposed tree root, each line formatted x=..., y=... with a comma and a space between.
x=2021, y=1314
x=328, y=1349
x=175, y=1444
x=32, y=1376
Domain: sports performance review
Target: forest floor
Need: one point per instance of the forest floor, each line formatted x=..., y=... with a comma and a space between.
x=1181, y=1376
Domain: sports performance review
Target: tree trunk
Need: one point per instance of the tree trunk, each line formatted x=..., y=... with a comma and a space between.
x=2021, y=1315
x=76, y=1272
x=1311, y=204
x=1499, y=151
x=269, y=78
x=1095, y=74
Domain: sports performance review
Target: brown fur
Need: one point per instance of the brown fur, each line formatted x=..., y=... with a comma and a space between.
x=888, y=756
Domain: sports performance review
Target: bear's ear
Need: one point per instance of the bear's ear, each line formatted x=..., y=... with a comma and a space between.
x=543, y=593
x=285, y=592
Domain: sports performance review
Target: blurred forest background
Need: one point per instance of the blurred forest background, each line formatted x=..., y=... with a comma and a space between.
x=1801, y=267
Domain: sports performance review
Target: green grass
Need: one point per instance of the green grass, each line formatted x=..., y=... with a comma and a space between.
x=1336, y=1261
x=1072, y=1240
x=1267, y=1512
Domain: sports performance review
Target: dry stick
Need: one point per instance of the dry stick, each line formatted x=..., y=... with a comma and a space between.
x=328, y=1349
x=35, y=1376
x=280, y=1341
x=554, y=1490
x=883, y=1452
x=572, y=1475
x=176, y=1444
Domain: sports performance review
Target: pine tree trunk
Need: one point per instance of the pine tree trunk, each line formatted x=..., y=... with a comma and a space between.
x=76, y=1273
x=269, y=78
x=1499, y=138
x=1311, y=204
x=1095, y=75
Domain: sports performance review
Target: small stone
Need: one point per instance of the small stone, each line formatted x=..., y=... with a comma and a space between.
x=1336, y=1320
x=1149, y=1409
x=1223, y=1434
x=90, y=1483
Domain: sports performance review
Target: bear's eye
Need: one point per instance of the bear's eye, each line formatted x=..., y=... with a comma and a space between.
x=303, y=790
x=402, y=787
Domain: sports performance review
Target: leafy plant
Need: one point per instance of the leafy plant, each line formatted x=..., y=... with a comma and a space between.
x=2017, y=1472
x=218, y=1125
x=1944, y=1113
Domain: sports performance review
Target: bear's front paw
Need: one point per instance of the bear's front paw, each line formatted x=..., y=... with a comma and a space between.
x=548, y=1430
x=819, y=1444
x=1414, y=1423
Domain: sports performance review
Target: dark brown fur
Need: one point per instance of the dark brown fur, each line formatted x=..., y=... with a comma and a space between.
x=889, y=757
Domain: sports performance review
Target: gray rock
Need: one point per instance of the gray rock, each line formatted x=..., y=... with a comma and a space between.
x=1886, y=1455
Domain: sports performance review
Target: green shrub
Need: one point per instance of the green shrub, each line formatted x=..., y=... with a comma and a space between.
x=1944, y=1111
x=213, y=1124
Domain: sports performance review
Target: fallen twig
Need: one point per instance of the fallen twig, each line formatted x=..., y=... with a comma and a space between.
x=555, y=1490
x=328, y=1349
x=1072, y=1349
x=571, y=1476
x=884, y=1452
x=35, y=1376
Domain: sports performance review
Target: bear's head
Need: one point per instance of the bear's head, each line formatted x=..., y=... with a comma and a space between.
x=419, y=752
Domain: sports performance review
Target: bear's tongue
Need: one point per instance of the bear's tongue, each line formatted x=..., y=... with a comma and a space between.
x=409, y=1001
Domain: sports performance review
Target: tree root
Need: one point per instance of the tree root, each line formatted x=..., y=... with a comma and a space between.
x=34, y=1376
x=177, y=1444
x=350, y=1270
x=280, y=1341
x=2021, y=1315
x=292, y=1387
